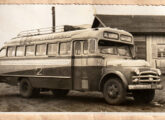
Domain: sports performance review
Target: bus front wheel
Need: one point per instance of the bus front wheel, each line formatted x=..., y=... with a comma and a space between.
x=114, y=91
x=26, y=89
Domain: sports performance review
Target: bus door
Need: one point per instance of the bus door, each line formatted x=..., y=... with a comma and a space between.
x=80, y=78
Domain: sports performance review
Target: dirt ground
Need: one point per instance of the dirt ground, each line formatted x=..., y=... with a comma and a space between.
x=11, y=101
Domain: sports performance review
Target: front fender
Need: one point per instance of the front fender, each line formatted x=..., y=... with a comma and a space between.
x=116, y=73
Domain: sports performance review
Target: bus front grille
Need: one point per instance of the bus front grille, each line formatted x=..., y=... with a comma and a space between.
x=146, y=77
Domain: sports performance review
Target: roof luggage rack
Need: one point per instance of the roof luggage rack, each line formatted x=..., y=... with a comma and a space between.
x=49, y=30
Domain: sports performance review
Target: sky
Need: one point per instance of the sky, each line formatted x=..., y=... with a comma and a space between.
x=17, y=18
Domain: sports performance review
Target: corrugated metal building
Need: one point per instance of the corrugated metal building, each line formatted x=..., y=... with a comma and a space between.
x=148, y=31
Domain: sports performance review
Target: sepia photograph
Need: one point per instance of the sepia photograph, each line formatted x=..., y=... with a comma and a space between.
x=82, y=58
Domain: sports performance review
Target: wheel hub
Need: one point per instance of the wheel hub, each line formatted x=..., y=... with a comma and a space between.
x=24, y=87
x=113, y=91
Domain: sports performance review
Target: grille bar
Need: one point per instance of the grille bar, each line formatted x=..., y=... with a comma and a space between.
x=136, y=80
x=148, y=72
x=146, y=76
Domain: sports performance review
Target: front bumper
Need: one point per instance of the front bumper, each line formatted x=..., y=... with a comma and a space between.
x=145, y=86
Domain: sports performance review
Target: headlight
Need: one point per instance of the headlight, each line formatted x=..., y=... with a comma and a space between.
x=159, y=72
x=137, y=71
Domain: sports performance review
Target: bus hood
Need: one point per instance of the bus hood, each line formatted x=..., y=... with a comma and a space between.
x=127, y=63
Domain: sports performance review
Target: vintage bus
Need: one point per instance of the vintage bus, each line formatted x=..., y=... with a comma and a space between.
x=99, y=59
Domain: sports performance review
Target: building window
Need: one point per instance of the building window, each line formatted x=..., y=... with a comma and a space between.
x=65, y=48
x=11, y=51
x=53, y=49
x=3, y=52
x=20, y=51
x=41, y=50
x=161, y=51
x=92, y=46
x=30, y=49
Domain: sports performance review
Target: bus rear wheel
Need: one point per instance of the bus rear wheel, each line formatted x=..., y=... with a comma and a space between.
x=58, y=92
x=26, y=89
x=143, y=96
x=114, y=92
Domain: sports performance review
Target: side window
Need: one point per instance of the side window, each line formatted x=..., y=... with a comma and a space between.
x=92, y=46
x=11, y=51
x=85, y=47
x=77, y=48
x=30, y=49
x=20, y=51
x=53, y=49
x=41, y=49
x=65, y=48
x=3, y=52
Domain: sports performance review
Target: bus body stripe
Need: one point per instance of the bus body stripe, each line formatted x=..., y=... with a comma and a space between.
x=58, y=62
x=45, y=76
x=49, y=62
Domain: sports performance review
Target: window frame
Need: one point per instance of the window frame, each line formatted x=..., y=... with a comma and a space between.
x=14, y=51
x=4, y=48
x=23, y=50
x=75, y=47
x=48, y=49
x=157, y=50
x=26, y=50
x=82, y=47
x=87, y=47
x=45, y=49
x=60, y=48
x=89, y=43
x=128, y=48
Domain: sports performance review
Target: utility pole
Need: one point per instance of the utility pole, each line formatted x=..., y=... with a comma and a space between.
x=53, y=20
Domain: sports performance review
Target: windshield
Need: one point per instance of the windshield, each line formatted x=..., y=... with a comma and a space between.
x=109, y=47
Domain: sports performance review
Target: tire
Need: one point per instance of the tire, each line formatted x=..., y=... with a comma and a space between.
x=143, y=96
x=57, y=92
x=114, y=91
x=26, y=90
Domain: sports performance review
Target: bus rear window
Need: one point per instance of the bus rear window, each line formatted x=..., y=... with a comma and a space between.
x=65, y=48
x=53, y=49
x=41, y=49
x=30, y=50
x=11, y=51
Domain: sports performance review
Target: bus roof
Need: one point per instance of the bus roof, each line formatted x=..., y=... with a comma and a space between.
x=64, y=36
